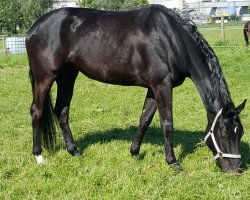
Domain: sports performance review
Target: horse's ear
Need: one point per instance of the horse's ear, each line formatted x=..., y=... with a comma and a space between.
x=241, y=106
x=228, y=110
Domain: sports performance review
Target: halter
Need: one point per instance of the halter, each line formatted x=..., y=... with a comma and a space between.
x=219, y=154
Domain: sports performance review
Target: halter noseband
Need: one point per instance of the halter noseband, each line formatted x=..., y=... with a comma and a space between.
x=219, y=154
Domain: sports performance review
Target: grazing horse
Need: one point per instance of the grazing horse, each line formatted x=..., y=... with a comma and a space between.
x=246, y=31
x=151, y=47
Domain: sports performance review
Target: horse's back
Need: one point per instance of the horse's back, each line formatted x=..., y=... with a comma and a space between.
x=67, y=21
x=116, y=47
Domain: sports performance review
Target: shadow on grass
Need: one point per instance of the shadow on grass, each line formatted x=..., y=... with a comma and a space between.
x=188, y=140
x=245, y=149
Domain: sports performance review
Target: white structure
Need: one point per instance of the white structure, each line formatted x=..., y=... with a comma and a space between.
x=15, y=45
x=66, y=3
x=207, y=7
x=168, y=3
x=246, y=17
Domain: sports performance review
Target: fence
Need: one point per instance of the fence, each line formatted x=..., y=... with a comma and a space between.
x=224, y=35
x=230, y=37
x=1, y=44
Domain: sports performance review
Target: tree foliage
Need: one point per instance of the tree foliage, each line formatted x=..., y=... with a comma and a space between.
x=16, y=16
x=112, y=4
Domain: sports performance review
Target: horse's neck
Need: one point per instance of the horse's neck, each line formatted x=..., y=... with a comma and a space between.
x=213, y=90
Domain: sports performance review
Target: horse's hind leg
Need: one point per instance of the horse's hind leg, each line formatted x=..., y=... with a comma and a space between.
x=147, y=115
x=41, y=90
x=65, y=83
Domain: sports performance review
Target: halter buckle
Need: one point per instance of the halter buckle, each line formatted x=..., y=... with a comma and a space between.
x=220, y=154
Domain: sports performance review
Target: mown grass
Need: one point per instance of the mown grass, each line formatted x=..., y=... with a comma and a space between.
x=104, y=119
x=233, y=35
x=17, y=61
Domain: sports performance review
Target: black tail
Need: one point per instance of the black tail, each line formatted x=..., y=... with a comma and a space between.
x=246, y=35
x=48, y=122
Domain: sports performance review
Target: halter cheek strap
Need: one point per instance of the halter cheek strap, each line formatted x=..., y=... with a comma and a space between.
x=219, y=154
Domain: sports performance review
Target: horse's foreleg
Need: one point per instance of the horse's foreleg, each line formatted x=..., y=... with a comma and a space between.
x=147, y=115
x=65, y=85
x=163, y=94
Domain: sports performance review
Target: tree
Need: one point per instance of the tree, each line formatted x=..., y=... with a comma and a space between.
x=127, y=4
x=16, y=16
x=8, y=15
x=112, y=4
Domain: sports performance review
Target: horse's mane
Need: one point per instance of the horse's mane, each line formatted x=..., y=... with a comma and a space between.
x=212, y=61
x=208, y=56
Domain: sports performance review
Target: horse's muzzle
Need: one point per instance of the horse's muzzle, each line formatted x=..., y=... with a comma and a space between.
x=230, y=165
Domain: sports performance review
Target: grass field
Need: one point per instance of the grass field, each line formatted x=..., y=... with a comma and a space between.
x=104, y=119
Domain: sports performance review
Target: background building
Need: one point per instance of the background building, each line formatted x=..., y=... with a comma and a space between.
x=66, y=3
x=205, y=8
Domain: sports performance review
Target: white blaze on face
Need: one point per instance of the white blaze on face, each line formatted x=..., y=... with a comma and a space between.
x=39, y=159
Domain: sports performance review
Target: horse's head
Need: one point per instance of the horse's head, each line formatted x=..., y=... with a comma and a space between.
x=224, y=137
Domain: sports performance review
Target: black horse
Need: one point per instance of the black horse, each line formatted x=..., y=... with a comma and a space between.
x=152, y=47
x=246, y=32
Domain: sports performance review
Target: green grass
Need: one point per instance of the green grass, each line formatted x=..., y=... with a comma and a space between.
x=104, y=119
x=233, y=34
x=17, y=61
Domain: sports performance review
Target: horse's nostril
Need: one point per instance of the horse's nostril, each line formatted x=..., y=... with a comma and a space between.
x=237, y=170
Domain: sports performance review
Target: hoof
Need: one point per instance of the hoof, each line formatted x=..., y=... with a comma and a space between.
x=134, y=152
x=75, y=153
x=139, y=156
x=176, y=166
x=135, y=155
x=40, y=160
